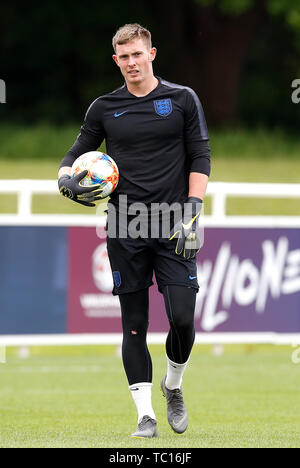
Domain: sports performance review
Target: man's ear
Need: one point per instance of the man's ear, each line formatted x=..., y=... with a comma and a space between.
x=152, y=54
x=115, y=58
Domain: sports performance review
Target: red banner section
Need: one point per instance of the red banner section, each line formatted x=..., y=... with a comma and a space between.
x=91, y=306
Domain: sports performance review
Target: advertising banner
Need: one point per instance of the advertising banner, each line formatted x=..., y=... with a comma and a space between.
x=58, y=280
x=249, y=281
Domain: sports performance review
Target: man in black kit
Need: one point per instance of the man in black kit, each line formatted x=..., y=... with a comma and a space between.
x=156, y=133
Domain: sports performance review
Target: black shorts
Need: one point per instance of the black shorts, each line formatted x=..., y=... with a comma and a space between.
x=133, y=262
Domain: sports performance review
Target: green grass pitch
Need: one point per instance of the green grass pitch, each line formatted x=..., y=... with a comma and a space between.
x=78, y=397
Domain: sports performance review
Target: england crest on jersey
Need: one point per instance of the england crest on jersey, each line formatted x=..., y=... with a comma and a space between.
x=163, y=107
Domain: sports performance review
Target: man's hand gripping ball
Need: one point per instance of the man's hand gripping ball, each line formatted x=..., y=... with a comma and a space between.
x=71, y=188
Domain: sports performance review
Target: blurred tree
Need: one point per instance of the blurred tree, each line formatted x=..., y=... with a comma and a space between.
x=237, y=55
x=210, y=41
x=209, y=47
x=56, y=56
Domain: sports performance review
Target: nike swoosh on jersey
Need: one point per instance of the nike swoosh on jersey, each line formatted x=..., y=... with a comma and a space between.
x=116, y=114
x=192, y=277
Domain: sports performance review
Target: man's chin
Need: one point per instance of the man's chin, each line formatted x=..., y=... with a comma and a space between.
x=134, y=78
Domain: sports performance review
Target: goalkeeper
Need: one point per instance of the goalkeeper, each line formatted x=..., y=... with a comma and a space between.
x=156, y=132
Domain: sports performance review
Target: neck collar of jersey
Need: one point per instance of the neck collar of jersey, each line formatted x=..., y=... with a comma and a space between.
x=146, y=95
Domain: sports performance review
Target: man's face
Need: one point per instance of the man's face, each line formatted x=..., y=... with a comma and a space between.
x=135, y=60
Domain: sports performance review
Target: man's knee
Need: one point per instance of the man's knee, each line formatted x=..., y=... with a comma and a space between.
x=182, y=322
x=136, y=327
x=180, y=304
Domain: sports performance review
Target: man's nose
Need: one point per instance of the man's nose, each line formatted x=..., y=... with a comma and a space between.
x=131, y=61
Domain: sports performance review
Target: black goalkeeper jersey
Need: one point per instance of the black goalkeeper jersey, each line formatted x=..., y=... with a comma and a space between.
x=156, y=141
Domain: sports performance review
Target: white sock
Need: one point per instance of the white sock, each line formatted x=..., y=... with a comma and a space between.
x=142, y=397
x=174, y=374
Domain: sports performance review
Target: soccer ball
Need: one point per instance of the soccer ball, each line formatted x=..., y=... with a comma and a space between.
x=102, y=170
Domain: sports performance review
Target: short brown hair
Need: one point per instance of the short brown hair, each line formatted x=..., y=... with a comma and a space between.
x=128, y=32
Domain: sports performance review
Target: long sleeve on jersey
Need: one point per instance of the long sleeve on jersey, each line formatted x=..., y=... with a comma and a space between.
x=196, y=135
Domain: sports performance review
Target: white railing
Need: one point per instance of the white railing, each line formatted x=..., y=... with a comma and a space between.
x=219, y=191
x=74, y=339
x=25, y=189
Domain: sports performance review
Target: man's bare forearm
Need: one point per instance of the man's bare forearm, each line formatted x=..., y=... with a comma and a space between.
x=64, y=171
x=197, y=185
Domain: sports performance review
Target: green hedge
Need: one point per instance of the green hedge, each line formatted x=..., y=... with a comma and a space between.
x=44, y=142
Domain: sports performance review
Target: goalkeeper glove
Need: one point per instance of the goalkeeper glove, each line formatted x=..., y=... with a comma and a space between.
x=186, y=231
x=71, y=188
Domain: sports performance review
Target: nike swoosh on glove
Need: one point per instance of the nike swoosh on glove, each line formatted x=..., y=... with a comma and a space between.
x=186, y=231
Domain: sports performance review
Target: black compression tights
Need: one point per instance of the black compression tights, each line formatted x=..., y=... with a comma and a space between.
x=135, y=319
x=180, y=306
